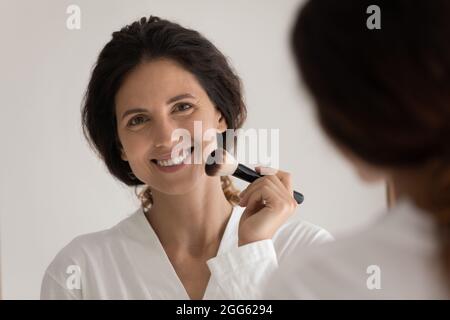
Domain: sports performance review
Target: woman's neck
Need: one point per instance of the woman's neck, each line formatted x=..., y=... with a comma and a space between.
x=423, y=187
x=193, y=222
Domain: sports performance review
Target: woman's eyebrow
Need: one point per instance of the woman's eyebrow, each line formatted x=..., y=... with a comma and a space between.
x=134, y=110
x=179, y=97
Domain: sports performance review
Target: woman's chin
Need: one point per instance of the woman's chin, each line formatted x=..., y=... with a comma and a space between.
x=177, y=182
x=175, y=190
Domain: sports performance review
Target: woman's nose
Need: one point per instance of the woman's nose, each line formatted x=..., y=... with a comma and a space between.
x=162, y=133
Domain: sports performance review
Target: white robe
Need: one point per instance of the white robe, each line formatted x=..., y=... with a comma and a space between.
x=398, y=257
x=129, y=262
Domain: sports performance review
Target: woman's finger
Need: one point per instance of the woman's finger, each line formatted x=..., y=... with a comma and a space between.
x=283, y=177
x=258, y=184
x=265, y=196
x=250, y=187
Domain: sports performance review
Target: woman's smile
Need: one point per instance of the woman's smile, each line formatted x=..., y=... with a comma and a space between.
x=169, y=164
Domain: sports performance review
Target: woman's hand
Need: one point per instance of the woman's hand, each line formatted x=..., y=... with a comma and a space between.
x=269, y=203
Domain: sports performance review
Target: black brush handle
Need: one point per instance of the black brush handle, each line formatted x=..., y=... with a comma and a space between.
x=250, y=175
x=298, y=197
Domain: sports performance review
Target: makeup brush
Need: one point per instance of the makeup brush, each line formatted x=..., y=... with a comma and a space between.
x=222, y=163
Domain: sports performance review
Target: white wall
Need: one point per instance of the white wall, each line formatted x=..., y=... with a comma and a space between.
x=52, y=186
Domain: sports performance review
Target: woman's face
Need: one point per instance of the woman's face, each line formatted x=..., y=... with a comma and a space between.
x=169, y=98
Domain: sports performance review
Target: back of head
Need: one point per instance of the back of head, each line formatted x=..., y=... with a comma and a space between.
x=384, y=94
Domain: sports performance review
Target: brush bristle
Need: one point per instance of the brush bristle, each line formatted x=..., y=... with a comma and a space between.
x=220, y=163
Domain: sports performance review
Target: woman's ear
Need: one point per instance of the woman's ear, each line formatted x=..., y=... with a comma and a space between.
x=123, y=155
x=221, y=123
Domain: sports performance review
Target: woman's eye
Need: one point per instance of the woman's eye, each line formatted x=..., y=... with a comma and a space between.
x=132, y=122
x=182, y=107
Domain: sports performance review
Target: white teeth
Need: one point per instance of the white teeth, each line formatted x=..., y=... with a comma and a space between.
x=172, y=162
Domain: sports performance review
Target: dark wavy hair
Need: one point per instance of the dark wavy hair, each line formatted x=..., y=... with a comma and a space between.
x=385, y=93
x=143, y=41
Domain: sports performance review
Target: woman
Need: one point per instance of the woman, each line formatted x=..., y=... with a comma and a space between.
x=383, y=96
x=152, y=78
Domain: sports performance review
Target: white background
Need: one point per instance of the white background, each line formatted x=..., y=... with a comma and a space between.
x=53, y=188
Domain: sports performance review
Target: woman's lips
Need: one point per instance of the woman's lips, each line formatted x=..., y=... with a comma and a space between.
x=172, y=168
x=168, y=156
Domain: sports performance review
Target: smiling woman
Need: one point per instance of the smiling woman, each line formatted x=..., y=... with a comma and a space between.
x=170, y=48
x=152, y=78
x=173, y=99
